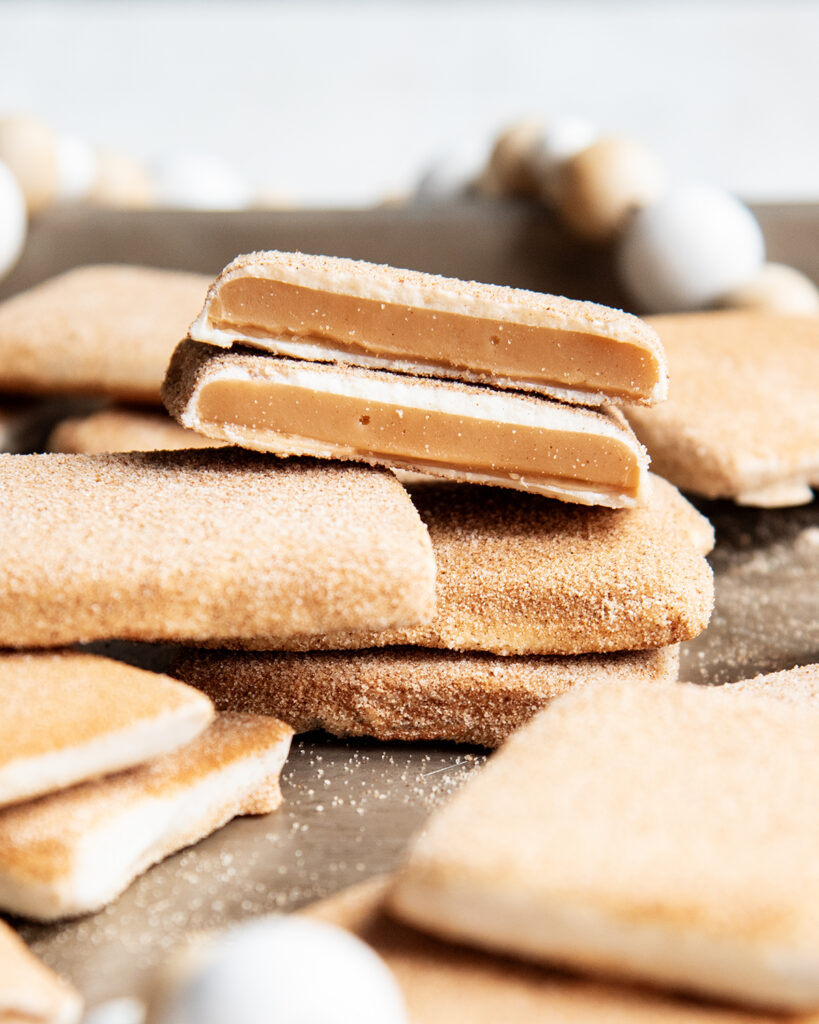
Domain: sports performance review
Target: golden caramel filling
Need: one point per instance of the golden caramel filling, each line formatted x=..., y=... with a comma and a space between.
x=258, y=307
x=264, y=408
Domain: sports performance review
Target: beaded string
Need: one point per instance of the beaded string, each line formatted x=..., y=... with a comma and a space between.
x=676, y=246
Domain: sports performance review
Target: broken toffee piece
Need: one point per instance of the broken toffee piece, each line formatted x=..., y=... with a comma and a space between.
x=104, y=330
x=30, y=992
x=517, y=574
x=74, y=851
x=69, y=716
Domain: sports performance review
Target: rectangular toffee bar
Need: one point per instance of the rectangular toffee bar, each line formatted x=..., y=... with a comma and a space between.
x=465, y=432
x=330, y=309
x=204, y=544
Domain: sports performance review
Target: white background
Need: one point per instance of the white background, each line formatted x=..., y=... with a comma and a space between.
x=342, y=103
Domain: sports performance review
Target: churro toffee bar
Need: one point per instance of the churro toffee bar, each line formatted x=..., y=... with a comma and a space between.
x=204, y=544
x=461, y=431
x=341, y=310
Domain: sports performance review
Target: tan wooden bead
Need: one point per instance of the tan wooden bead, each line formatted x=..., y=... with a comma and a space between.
x=776, y=289
x=511, y=169
x=600, y=186
x=121, y=182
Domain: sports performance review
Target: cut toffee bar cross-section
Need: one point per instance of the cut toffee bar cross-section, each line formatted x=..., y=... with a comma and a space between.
x=339, y=310
x=461, y=431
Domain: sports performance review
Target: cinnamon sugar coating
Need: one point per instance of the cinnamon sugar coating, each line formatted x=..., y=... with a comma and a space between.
x=665, y=833
x=741, y=420
x=799, y=686
x=68, y=716
x=407, y=693
x=519, y=574
x=202, y=544
x=106, y=330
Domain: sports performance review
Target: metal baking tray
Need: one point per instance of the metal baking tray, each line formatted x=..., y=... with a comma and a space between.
x=350, y=807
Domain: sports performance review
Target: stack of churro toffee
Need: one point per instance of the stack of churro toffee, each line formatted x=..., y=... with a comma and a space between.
x=559, y=558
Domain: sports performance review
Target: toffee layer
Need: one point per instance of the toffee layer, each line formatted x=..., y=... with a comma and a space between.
x=431, y=437
x=263, y=311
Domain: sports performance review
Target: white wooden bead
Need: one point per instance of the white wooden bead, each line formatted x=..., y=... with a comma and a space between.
x=688, y=249
x=563, y=138
x=560, y=140
x=603, y=184
x=28, y=147
x=776, y=289
x=446, y=178
x=279, y=969
x=13, y=220
x=77, y=168
x=194, y=181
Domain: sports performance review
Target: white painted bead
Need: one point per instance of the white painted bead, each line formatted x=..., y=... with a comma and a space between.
x=76, y=168
x=194, y=181
x=453, y=172
x=28, y=147
x=563, y=138
x=13, y=220
x=603, y=184
x=685, y=251
x=776, y=289
x=280, y=969
x=560, y=140
x=122, y=181
x=447, y=178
